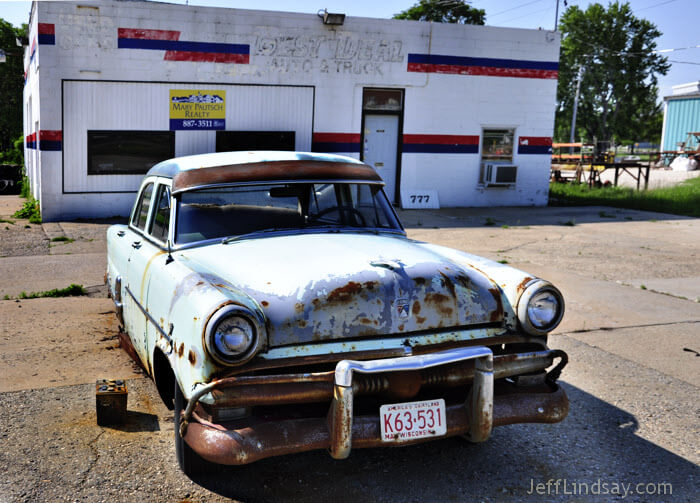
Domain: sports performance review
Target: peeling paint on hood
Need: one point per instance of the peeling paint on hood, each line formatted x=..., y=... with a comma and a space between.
x=322, y=287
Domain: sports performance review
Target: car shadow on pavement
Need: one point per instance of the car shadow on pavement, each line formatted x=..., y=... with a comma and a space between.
x=594, y=452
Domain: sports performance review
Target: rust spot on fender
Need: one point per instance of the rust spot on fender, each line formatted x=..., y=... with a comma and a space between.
x=449, y=284
x=365, y=321
x=181, y=349
x=299, y=307
x=265, y=303
x=463, y=280
x=302, y=323
x=401, y=327
x=345, y=293
x=420, y=319
x=416, y=307
x=420, y=281
x=192, y=357
x=523, y=284
x=497, y=315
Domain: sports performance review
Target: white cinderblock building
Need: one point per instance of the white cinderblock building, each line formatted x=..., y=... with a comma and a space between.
x=459, y=112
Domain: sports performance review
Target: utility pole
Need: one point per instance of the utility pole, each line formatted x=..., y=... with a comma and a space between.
x=556, y=16
x=573, y=117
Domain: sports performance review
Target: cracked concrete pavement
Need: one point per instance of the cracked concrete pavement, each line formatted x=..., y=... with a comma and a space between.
x=632, y=380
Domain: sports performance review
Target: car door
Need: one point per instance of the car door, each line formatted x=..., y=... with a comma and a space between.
x=141, y=251
x=158, y=282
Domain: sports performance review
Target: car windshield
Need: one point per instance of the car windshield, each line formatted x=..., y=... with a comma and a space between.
x=220, y=212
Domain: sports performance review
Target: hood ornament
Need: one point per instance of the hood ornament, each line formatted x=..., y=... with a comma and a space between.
x=392, y=265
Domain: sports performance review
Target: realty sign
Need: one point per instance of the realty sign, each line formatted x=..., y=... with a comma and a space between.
x=192, y=109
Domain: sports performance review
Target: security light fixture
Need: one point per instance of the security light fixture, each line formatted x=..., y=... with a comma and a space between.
x=331, y=18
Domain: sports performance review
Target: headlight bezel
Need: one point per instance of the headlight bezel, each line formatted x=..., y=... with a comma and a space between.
x=532, y=289
x=227, y=311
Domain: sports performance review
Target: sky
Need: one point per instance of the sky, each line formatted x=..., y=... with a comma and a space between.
x=676, y=19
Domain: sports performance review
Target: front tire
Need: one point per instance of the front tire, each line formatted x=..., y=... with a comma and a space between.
x=190, y=462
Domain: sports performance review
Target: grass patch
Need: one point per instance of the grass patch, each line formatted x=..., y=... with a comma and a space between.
x=30, y=210
x=569, y=223
x=503, y=261
x=62, y=239
x=5, y=221
x=70, y=291
x=490, y=222
x=682, y=199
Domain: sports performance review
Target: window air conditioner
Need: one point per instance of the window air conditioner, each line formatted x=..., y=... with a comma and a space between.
x=498, y=175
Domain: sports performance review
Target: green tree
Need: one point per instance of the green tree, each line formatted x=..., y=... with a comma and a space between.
x=619, y=74
x=11, y=85
x=444, y=11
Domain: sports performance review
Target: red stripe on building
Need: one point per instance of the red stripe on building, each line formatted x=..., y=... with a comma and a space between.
x=336, y=137
x=47, y=135
x=535, y=141
x=148, y=34
x=31, y=138
x=441, y=139
x=208, y=57
x=47, y=29
x=488, y=71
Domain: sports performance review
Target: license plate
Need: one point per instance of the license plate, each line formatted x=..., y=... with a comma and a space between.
x=401, y=422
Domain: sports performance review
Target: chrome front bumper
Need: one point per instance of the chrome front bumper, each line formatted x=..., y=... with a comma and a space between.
x=341, y=430
x=480, y=401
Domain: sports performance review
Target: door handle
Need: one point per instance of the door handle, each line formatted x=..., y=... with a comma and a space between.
x=136, y=244
x=121, y=234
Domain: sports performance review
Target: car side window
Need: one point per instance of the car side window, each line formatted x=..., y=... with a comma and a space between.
x=144, y=205
x=161, y=218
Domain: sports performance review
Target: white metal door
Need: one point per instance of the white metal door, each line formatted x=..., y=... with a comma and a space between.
x=381, y=138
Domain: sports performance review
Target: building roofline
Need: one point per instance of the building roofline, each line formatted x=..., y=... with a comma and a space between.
x=681, y=96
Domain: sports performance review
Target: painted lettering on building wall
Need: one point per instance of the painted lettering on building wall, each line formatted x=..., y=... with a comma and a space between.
x=345, y=55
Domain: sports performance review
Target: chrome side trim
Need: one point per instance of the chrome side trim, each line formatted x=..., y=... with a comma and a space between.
x=148, y=316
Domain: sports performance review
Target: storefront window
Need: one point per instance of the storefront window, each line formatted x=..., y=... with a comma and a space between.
x=497, y=145
x=382, y=99
x=128, y=152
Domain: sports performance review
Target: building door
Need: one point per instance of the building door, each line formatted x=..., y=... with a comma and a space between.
x=382, y=123
x=379, y=151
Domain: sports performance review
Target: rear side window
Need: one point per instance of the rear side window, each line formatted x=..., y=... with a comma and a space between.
x=161, y=218
x=142, y=207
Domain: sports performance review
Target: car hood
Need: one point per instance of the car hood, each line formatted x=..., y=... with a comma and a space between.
x=319, y=287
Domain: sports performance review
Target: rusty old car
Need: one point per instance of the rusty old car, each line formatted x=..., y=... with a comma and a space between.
x=279, y=307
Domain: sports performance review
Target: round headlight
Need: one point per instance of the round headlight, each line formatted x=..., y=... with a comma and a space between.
x=232, y=335
x=540, y=308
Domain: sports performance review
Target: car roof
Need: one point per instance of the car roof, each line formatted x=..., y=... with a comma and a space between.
x=176, y=165
x=253, y=166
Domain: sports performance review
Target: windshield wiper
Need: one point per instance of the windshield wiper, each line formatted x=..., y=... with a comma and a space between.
x=230, y=239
